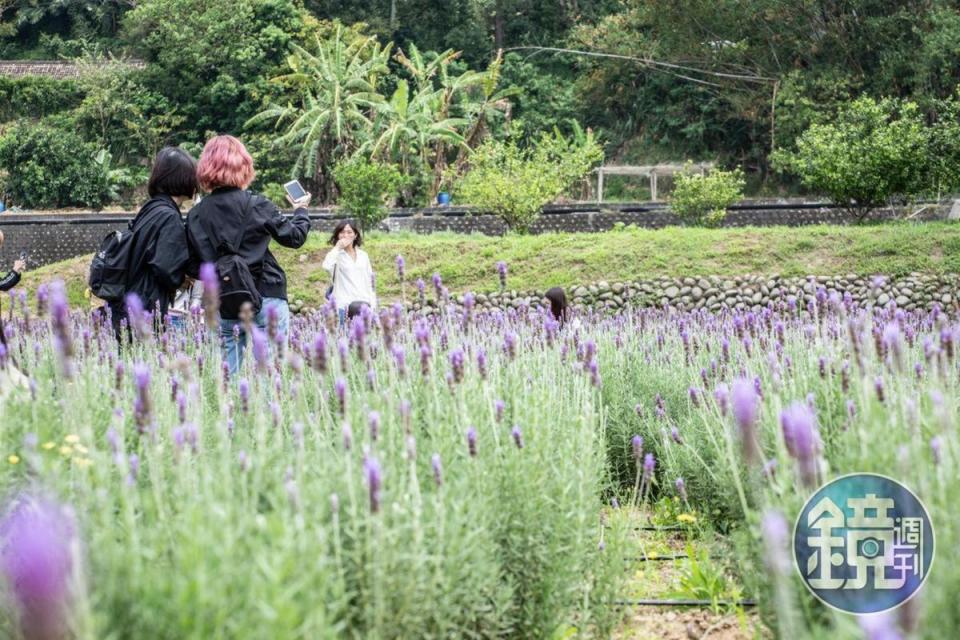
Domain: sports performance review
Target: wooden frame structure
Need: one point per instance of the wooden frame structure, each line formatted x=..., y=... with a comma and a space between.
x=649, y=171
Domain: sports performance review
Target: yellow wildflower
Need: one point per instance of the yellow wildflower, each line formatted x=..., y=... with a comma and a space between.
x=687, y=518
x=86, y=293
x=79, y=448
x=49, y=445
x=72, y=439
x=83, y=463
x=65, y=450
x=13, y=458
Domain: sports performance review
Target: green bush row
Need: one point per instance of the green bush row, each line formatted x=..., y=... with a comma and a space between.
x=36, y=96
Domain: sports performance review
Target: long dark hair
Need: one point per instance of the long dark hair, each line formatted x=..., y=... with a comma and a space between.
x=558, y=304
x=343, y=224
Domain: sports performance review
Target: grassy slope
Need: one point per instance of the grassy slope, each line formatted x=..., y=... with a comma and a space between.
x=467, y=262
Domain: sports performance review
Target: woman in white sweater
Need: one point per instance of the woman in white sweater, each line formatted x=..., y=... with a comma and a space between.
x=349, y=267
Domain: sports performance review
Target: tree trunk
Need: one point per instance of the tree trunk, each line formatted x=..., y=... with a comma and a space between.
x=439, y=164
x=498, y=26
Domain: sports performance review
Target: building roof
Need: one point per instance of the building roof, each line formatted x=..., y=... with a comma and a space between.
x=58, y=69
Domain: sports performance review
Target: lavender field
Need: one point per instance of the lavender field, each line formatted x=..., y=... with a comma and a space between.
x=461, y=474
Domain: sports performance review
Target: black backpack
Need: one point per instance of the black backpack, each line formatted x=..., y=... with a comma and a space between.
x=237, y=284
x=108, y=270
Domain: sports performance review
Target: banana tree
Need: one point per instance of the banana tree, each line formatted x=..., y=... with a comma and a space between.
x=337, y=86
x=408, y=129
x=490, y=105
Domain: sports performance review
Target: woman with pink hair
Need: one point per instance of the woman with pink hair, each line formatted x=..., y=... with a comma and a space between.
x=232, y=220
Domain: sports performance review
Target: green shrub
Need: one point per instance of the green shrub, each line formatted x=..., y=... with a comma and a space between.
x=870, y=153
x=364, y=188
x=515, y=183
x=703, y=199
x=275, y=192
x=52, y=167
x=123, y=182
x=36, y=96
x=120, y=113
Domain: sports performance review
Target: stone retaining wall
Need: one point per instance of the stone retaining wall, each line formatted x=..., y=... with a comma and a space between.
x=714, y=293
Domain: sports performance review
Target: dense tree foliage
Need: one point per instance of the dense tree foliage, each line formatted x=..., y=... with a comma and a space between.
x=420, y=83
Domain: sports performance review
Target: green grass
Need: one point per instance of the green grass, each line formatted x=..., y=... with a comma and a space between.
x=466, y=262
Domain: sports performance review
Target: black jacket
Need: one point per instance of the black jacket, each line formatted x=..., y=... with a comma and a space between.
x=159, y=255
x=216, y=220
x=9, y=281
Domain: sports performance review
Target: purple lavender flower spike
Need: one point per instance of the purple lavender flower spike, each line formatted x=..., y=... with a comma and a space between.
x=472, y=442
x=457, y=358
x=135, y=315
x=878, y=388
x=62, y=333
x=775, y=533
x=649, y=464
x=340, y=388
x=675, y=435
x=374, y=420
x=802, y=439
x=879, y=626
x=37, y=561
x=374, y=482
x=244, y=388
x=502, y=273
x=498, y=408
x=636, y=444
x=746, y=404
x=681, y=488
x=261, y=349
x=936, y=447
x=297, y=431
x=722, y=395
x=437, y=469
x=133, y=463
x=517, y=436
x=482, y=362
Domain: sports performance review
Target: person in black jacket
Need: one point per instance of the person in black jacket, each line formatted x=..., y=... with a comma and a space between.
x=234, y=216
x=8, y=282
x=159, y=248
x=12, y=279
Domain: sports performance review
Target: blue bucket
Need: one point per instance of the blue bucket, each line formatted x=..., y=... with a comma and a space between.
x=443, y=198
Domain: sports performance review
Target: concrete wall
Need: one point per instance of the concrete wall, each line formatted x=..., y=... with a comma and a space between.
x=51, y=238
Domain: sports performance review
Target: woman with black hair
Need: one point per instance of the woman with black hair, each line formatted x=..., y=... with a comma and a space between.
x=350, y=268
x=559, y=309
x=159, y=250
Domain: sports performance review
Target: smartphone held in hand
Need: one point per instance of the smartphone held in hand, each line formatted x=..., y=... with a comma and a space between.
x=294, y=190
